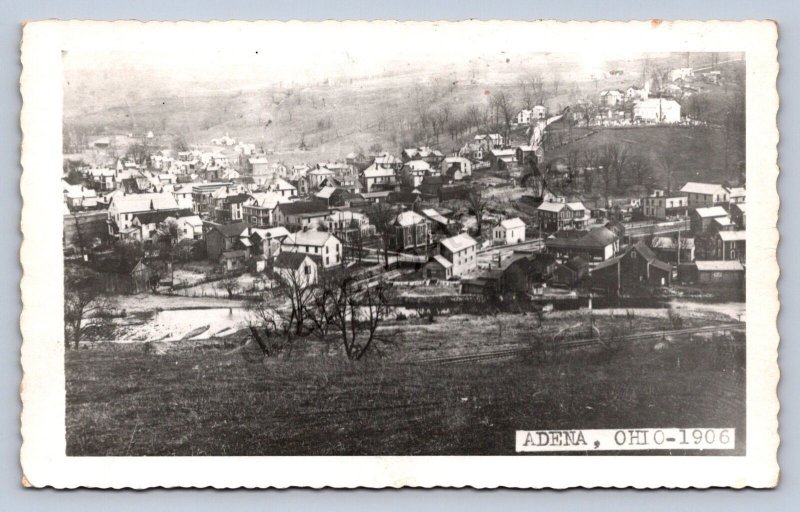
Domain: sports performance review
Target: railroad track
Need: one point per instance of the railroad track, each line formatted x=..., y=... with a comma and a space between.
x=632, y=338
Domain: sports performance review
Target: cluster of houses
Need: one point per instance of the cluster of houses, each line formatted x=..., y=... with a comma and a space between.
x=244, y=211
x=697, y=236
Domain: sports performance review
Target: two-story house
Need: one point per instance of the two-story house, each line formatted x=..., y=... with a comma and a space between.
x=316, y=244
x=704, y=195
x=462, y=253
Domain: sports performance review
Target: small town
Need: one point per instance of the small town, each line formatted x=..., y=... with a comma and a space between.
x=559, y=225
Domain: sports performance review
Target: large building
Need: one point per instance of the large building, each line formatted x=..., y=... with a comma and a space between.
x=701, y=195
x=462, y=253
x=123, y=208
x=320, y=244
x=659, y=206
x=657, y=110
x=595, y=245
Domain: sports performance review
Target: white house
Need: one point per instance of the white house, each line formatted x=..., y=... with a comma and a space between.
x=375, y=175
x=190, y=227
x=464, y=165
x=296, y=268
x=680, y=74
x=657, y=110
x=509, y=231
x=414, y=172
x=462, y=252
x=183, y=196
x=612, y=97
x=315, y=243
x=701, y=195
x=259, y=210
x=123, y=208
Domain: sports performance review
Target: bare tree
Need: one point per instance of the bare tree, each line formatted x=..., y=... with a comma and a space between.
x=667, y=164
x=382, y=217
x=503, y=103
x=168, y=236
x=230, y=285
x=477, y=204
x=357, y=310
x=526, y=94
x=83, y=302
x=639, y=169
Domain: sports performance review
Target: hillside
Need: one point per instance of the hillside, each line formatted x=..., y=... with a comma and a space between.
x=692, y=153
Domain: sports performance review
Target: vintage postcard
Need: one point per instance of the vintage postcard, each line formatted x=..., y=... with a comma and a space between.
x=395, y=254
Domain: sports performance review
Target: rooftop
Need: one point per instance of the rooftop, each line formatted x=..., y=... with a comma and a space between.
x=516, y=222
x=719, y=266
x=458, y=242
x=693, y=187
x=712, y=211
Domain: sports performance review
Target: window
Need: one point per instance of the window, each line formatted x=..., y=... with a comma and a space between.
x=327, y=250
x=307, y=270
x=327, y=260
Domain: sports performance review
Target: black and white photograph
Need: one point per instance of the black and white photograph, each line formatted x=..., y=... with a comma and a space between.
x=405, y=250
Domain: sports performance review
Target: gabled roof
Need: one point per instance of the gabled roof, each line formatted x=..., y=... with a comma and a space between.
x=576, y=263
x=711, y=211
x=315, y=238
x=733, y=236
x=291, y=260
x=693, y=187
x=514, y=223
x=229, y=230
x=158, y=216
x=268, y=200
x=595, y=238
x=373, y=171
x=718, y=266
x=458, y=242
x=303, y=207
x=264, y=233
x=435, y=216
x=548, y=206
x=441, y=260
x=408, y=218
x=132, y=203
x=326, y=192
x=417, y=165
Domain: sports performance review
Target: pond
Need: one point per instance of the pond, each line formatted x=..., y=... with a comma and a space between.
x=174, y=324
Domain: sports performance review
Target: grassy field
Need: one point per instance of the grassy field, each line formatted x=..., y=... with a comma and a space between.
x=208, y=399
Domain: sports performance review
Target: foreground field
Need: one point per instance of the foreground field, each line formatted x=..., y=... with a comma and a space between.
x=213, y=399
